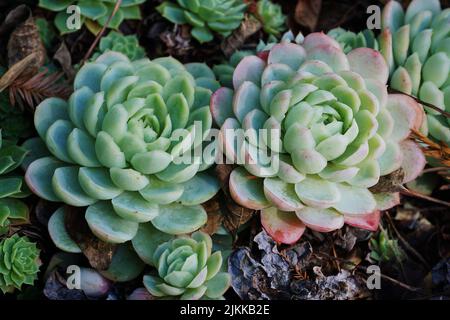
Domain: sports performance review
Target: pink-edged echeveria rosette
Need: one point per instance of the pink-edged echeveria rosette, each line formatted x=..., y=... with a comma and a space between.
x=332, y=131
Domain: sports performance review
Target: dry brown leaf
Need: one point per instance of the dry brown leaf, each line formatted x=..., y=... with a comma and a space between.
x=16, y=70
x=64, y=58
x=215, y=216
x=23, y=41
x=233, y=214
x=99, y=253
x=307, y=13
x=249, y=26
x=389, y=183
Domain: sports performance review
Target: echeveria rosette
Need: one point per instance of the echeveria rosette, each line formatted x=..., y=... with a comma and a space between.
x=122, y=146
x=336, y=131
x=416, y=45
x=19, y=263
x=12, y=187
x=271, y=16
x=116, y=41
x=205, y=16
x=188, y=270
x=93, y=11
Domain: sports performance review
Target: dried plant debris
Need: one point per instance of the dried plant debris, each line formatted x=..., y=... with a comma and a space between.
x=272, y=274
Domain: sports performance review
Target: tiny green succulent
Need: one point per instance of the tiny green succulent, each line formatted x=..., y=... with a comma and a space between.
x=128, y=45
x=92, y=12
x=205, y=16
x=350, y=40
x=416, y=45
x=19, y=263
x=312, y=129
x=187, y=269
x=124, y=146
x=12, y=187
x=272, y=18
x=384, y=249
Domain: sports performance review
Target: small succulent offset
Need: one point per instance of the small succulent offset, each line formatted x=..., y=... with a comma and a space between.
x=93, y=13
x=272, y=18
x=416, y=46
x=312, y=129
x=116, y=41
x=384, y=249
x=350, y=40
x=187, y=270
x=205, y=16
x=19, y=263
x=124, y=146
x=12, y=187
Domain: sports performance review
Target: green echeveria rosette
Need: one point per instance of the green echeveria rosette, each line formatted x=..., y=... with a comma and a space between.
x=188, y=270
x=12, y=187
x=93, y=11
x=115, y=41
x=272, y=18
x=205, y=16
x=416, y=45
x=19, y=263
x=124, y=146
x=334, y=131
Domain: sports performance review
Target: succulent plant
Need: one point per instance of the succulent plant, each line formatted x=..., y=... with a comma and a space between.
x=205, y=16
x=416, y=45
x=125, y=146
x=128, y=45
x=350, y=40
x=46, y=32
x=272, y=18
x=12, y=188
x=19, y=263
x=384, y=249
x=94, y=13
x=331, y=132
x=186, y=269
x=224, y=71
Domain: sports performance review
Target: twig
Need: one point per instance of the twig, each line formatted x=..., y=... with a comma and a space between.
x=406, y=243
x=435, y=169
x=429, y=105
x=102, y=31
x=411, y=193
x=397, y=282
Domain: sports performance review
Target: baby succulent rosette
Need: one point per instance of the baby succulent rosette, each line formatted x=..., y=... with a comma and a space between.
x=19, y=263
x=205, y=16
x=188, y=270
x=94, y=13
x=272, y=18
x=125, y=146
x=332, y=131
x=350, y=40
x=116, y=41
x=12, y=187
